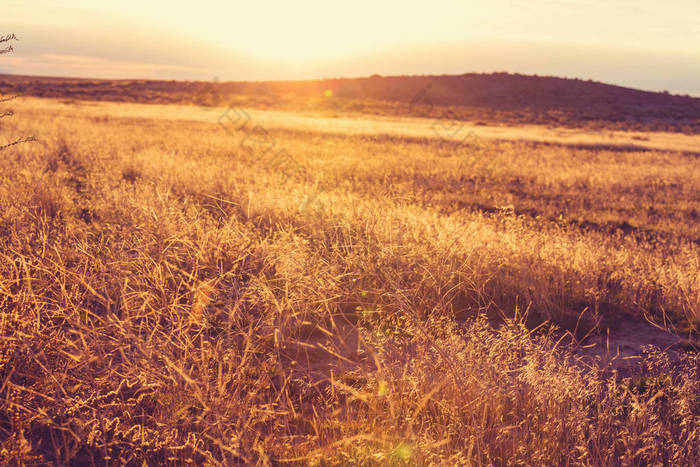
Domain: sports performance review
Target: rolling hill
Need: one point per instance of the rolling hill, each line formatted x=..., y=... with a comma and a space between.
x=498, y=97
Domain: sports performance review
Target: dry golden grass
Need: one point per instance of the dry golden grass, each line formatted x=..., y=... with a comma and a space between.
x=168, y=296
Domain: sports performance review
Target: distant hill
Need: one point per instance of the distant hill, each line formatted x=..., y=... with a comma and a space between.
x=498, y=97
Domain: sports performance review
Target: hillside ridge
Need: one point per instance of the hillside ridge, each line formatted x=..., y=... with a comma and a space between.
x=502, y=97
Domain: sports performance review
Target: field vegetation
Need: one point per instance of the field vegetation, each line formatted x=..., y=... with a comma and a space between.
x=180, y=288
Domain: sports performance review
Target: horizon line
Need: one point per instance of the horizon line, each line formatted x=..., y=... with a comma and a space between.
x=678, y=93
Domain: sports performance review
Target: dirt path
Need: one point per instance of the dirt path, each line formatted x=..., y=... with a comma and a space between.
x=622, y=348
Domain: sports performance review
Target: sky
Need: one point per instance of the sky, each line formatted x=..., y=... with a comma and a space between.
x=644, y=44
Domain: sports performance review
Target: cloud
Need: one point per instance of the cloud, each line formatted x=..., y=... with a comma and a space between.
x=93, y=67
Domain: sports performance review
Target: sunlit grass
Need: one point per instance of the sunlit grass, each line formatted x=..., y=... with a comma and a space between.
x=166, y=296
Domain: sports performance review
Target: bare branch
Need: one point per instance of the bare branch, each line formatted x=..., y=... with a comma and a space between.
x=8, y=99
x=7, y=38
x=9, y=113
x=19, y=141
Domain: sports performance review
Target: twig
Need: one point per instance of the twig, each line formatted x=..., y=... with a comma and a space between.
x=7, y=38
x=19, y=141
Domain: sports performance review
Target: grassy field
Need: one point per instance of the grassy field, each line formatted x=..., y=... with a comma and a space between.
x=200, y=285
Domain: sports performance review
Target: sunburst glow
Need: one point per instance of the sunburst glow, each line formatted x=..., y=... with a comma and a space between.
x=312, y=38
